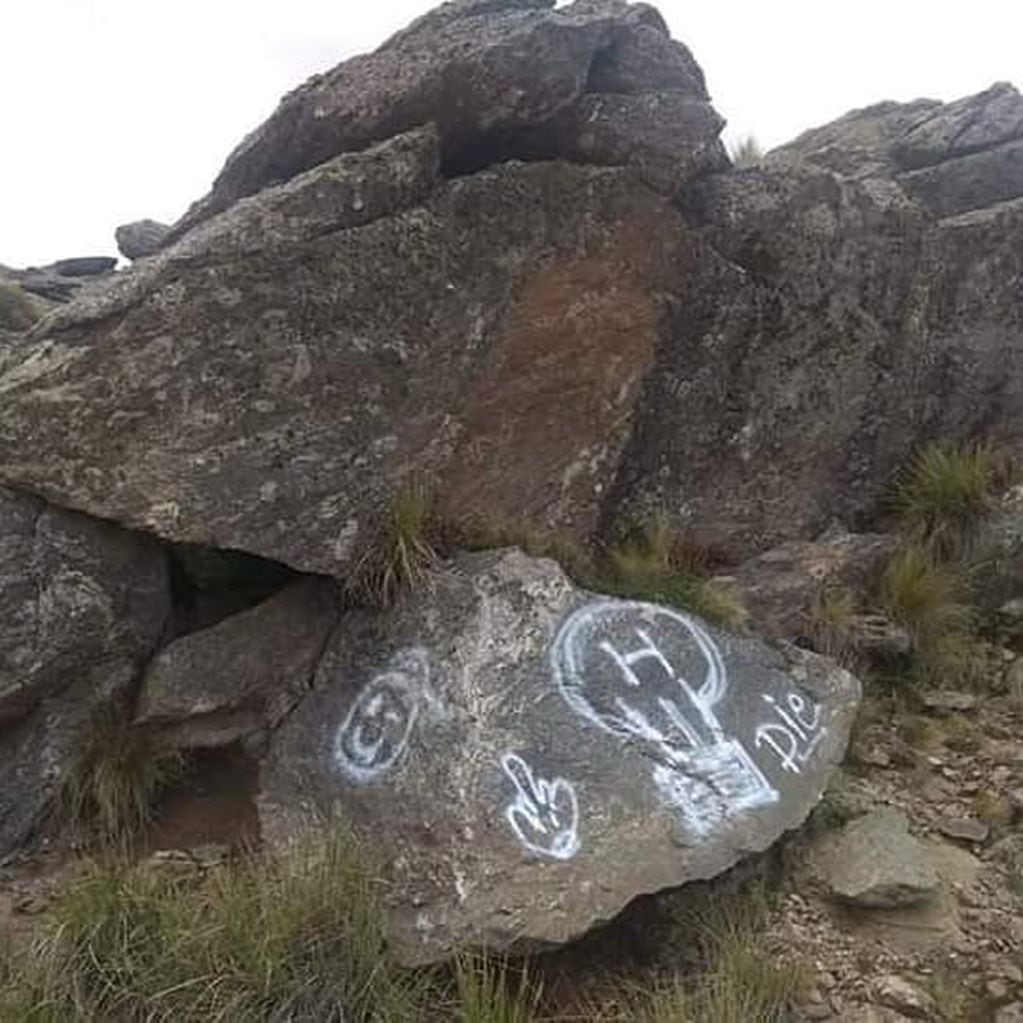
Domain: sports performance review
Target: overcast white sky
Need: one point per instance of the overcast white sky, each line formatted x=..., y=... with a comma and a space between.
x=114, y=110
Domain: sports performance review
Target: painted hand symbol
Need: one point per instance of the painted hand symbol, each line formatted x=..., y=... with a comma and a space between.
x=544, y=814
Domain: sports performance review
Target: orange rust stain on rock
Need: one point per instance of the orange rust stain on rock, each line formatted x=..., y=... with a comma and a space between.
x=549, y=417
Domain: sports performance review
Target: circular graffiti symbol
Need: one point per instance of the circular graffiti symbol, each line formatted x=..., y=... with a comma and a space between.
x=376, y=729
x=639, y=669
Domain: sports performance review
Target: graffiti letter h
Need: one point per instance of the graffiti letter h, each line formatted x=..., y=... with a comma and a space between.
x=626, y=661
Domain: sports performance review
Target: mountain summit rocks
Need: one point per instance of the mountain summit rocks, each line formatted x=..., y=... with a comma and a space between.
x=506, y=253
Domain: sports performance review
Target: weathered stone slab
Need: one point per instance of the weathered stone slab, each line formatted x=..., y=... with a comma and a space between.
x=969, y=182
x=527, y=758
x=212, y=687
x=276, y=401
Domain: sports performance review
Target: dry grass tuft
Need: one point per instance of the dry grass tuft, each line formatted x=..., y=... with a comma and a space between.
x=401, y=555
x=654, y=565
x=114, y=777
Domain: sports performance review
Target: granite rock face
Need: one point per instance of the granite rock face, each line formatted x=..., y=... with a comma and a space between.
x=83, y=604
x=141, y=238
x=526, y=758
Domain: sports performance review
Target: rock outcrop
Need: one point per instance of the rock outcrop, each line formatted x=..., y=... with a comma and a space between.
x=378, y=287
x=500, y=80
x=526, y=758
x=83, y=604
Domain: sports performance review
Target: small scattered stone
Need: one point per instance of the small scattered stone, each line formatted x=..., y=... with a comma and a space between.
x=897, y=993
x=967, y=829
x=31, y=905
x=997, y=989
x=946, y=700
x=1010, y=1013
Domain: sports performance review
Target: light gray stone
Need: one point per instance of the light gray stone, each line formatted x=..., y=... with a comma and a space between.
x=525, y=758
x=874, y=862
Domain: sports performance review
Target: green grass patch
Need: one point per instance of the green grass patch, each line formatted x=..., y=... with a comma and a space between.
x=288, y=938
x=653, y=564
x=492, y=990
x=946, y=494
x=740, y=982
x=926, y=596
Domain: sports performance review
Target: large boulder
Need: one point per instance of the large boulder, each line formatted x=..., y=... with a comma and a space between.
x=484, y=73
x=83, y=605
x=525, y=758
x=273, y=390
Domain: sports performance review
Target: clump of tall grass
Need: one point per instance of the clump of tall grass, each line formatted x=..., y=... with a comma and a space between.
x=833, y=618
x=486, y=532
x=653, y=564
x=490, y=990
x=927, y=597
x=747, y=152
x=402, y=553
x=740, y=981
x=293, y=937
x=113, y=778
x=945, y=495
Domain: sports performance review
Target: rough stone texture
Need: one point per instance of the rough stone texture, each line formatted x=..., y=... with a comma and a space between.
x=874, y=862
x=84, y=266
x=215, y=686
x=494, y=338
x=848, y=330
x=969, y=125
x=526, y=758
x=552, y=343
x=141, y=238
x=83, y=603
x=780, y=587
x=969, y=182
x=480, y=72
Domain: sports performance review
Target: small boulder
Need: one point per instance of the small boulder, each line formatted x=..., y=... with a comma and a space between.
x=965, y=829
x=874, y=862
x=526, y=758
x=141, y=238
x=213, y=687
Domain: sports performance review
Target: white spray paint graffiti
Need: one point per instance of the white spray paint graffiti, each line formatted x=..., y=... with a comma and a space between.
x=705, y=774
x=797, y=733
x=544, y=814
x=377, y=727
